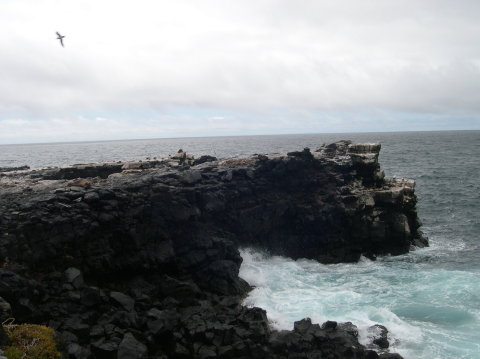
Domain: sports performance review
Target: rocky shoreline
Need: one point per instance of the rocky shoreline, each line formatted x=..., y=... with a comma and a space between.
x=140, y=259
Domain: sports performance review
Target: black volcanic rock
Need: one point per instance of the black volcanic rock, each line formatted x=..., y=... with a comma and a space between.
x=11, y=169
x=140, y=259
x=379, y=336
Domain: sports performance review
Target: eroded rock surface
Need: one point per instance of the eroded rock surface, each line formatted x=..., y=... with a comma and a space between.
x=142, y=257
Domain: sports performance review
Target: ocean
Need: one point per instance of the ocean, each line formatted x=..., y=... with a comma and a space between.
x=429, y=299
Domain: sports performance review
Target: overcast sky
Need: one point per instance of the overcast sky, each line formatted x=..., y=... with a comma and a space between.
x=177, y=68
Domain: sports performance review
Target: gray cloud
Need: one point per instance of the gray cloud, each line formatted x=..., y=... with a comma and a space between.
x=249, y=56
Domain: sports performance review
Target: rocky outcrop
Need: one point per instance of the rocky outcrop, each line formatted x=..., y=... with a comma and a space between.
x=142, y=257
x=11, y=169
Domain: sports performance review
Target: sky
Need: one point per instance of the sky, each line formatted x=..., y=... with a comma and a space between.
x=157, y=68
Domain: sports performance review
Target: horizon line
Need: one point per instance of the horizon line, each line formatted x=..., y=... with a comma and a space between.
x=215, y=136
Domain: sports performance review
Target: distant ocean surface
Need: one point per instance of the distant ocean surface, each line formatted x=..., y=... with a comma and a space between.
x=429, y=299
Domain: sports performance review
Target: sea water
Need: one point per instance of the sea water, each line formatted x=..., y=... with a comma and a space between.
x=429, y=299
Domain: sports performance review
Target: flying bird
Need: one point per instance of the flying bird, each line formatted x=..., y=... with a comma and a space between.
x=60, y=37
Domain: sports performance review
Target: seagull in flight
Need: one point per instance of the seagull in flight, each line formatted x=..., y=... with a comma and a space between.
x=60, y=37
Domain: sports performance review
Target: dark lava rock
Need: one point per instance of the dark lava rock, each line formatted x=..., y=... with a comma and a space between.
x=75, y=351
x=74, y=277
x=349, y=328
x=379, y=336
x=131, y=348
x=329, y=325
x=104, y=349
x=123, y=300
x=4, y=339
x=5, y=310
x=141, y=259
x=11, y=169
x=203, y=159
x=390, y=356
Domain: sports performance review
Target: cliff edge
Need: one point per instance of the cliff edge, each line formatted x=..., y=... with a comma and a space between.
x=140, y=259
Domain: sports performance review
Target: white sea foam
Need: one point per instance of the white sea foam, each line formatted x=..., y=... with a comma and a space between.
x=417, y=303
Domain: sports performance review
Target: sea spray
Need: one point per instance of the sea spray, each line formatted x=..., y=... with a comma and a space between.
x=427, y=310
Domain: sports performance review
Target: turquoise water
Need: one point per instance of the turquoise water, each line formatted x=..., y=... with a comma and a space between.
x=429, y=299
x=430, y=312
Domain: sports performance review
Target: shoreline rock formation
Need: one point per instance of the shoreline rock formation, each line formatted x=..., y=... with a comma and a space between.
x=140, y=259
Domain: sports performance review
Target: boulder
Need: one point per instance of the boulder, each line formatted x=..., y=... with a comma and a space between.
x=5, y=310
x=123, y=300
x=74, y=277
x=131, y=348
x=378, y=335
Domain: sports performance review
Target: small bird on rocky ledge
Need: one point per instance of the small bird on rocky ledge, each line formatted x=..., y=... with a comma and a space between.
x=60, y=37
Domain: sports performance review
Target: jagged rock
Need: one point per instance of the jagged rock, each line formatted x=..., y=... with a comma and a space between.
x=390, y=356
x=5, y=310
x=76, y=326
x=75, y=351
x=184, y=291
x=302, y=326
x=104, y=349
x=131, y=348
x=11, y=169
x=123, y=300
x=378, y=334
x=329, y=325
x=92, y=296
x=204, y=159
x=74, y=277
x=162, y=322
x=349, y=328
x=182, y=158
x=167, y=233
x=91, y=197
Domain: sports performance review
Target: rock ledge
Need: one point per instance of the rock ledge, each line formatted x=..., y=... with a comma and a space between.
x=140, y=259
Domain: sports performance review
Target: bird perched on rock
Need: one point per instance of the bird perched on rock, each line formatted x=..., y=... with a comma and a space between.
x=60, y=37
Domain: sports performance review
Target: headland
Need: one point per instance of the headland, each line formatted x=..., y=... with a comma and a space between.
x=140, y=259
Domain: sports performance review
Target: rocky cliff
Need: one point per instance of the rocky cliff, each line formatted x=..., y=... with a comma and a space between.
x=140, y=259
